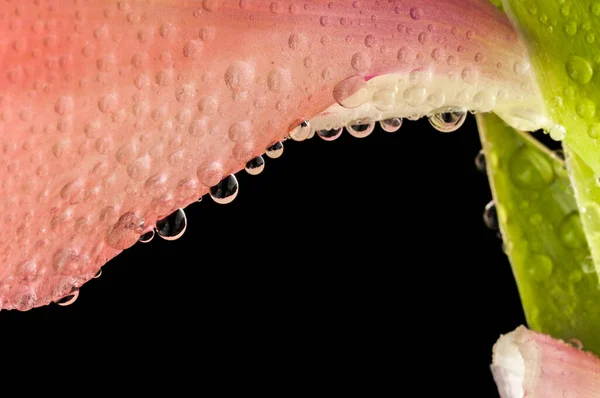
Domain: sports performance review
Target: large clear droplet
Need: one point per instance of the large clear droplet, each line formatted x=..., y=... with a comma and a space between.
x=173, y=226
x=330, y=135
x=225, y=191
x=449, y=120
x=557, y=132
x=302, y=132
x=480, y=162
x=490, y=216
x=361, y=128
x=98, y=274
x=147, y=237
x=255, y=166
x=275, y=150
x=391, y=125
x=351, y=93
x=68, y=299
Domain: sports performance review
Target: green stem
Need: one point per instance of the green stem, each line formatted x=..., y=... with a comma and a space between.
x=543, y=234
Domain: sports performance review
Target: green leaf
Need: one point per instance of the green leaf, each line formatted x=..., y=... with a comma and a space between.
x=543, y=234
x=563, y=39
x=587, y=193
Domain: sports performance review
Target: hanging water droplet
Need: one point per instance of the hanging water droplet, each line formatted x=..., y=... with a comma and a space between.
x=68, y=299
x=98, y=274
x=490, y=216
x=576, y=343
x=225, y=191
x=449, y=120
x=275, y=150
x=173, y=226
x=301, y=132
x=200, y=199
x=361, y=128
x=330, y=135
x=147, y=237
x=391, y=125
x=480, y=161
x=255, y=166
x=558, y=132
x=559, y=153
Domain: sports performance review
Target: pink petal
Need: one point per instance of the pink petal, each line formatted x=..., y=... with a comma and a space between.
x=116, y=113
x=530, y=364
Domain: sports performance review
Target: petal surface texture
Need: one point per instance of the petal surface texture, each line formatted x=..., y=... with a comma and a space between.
x=530, y=364
x=113, y=114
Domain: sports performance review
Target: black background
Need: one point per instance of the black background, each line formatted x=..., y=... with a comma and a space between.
x=374, y=245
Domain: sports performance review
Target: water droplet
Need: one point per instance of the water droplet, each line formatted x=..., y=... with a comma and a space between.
x=301, y=132
x=416, y=13
x=384, y=100
x=391, y=125
x=275, y=150
x=540, y=267
x=594, y=131
x=225, y=191
x=530, y=169
x=536, y=219
x=588, y=266
x=361, y=128
x=239, y=76
x=330, y=135
x=586, y=108
x=558, y=132
x=255, y=166
x=576, y=343
x=98, y=274
x=579, y=69
x=570, y=231
x=351, y=93
x=480, y=162
x=448, y=121
x=490, y=216
x=575, y=276
x=485, y=101
x=361, y=61
x=570, y=28
x=415, y=96
x=521, y=68
x=69, y=299
x=147, y=237
x=173, y=226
